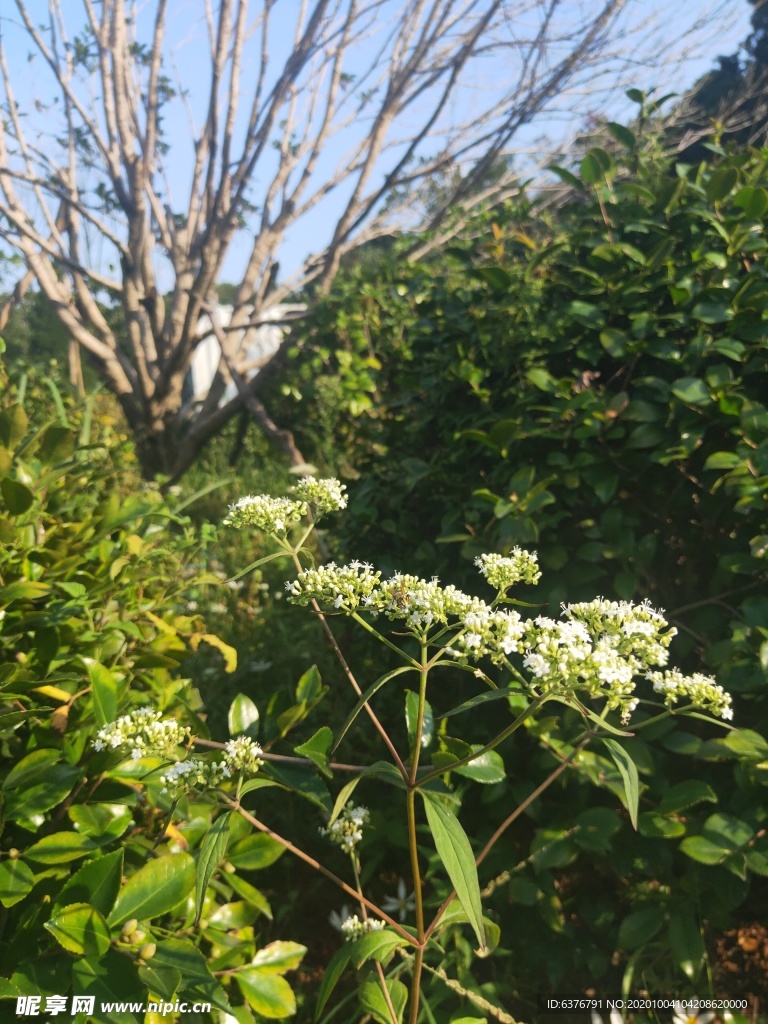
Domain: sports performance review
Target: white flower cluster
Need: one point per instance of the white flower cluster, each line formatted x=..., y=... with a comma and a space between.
x=341, y=586
x=324, y=495
x=242, y=755
x=347, y=830
x=702, y=690
x=488, y=632
x=265, y=513
x=599, y=647
x=183, y=775
x=503, y=572
x=353, y=928
x=145, y=732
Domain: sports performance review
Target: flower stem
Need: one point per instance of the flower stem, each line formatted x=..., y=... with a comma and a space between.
x=317, y=866
x=419, y=955
x=355, y=685
x=413, y=841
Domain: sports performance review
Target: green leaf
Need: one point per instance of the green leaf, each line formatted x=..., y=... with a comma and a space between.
x=104, y=689
x=256, y=852
x=566, y=176
x=488, y=768
x=692, y=391
x=375, y=946
x=37, y=783
x=542, y=379
x=181, y=955
x=686, y=942
x=212, y=851
x=333, y=971
x=310, y=686
x=81, y=929
x=61, y=848
x=251, y=894
x=372, y=999
x=16, y=881
x=753, y=201
x=595, y=828
x=161, y=981
x=100, y=820
x=231, y=916
x=727, y=831
x=712, y=313
x=720, y=183
x=97, y=883
x=639, y=927
x=594, y=165
x=107, y=980
x=317, y=749
x=656, y=826
x=686, y=794
x=458, y=860
x=628, y=772
x=279, y=957
x=747, y=743
x=723, y=460
x=614, y=342
x=412, y=717
x=701, y=849
x=498, y=279
x=154, y=889
x=268, y=994
x=13, y=425
x=622, y=134
x=17, y=496
x=302, y=780
x=57, y=444
x=24, y=590
x=243, y=717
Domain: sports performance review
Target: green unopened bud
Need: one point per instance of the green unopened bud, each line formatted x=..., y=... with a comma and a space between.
x=138, y=937
x=129, y=928
x=229, y=868
x=148, y=950
x=13, y=853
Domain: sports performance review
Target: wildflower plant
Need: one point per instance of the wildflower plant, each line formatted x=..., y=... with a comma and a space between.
x=606, y=661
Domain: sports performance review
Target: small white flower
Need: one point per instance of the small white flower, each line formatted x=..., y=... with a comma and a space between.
x=401, y=904
x=682, y=1016
x=338, y=917
x=614, y=1018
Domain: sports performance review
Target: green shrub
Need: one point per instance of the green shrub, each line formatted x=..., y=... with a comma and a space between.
x=97, y=883
x=589, y=379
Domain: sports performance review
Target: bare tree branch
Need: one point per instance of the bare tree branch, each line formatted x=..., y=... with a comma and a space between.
x=371, y=102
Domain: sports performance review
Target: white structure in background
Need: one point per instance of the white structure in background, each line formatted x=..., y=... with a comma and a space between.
x=251, y=354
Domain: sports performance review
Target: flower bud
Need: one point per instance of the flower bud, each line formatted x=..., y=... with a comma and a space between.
x=229, y=867
x=13, y=853
x=148, y=950
x=129, y=928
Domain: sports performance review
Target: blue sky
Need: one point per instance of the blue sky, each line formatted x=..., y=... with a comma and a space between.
x=187, y=39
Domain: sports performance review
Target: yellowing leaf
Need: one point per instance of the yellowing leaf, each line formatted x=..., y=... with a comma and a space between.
x=230, y=654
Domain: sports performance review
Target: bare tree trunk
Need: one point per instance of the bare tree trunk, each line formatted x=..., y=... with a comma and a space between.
x=399, y=92
x=76, y=368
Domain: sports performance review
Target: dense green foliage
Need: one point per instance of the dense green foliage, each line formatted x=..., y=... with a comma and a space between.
x=96, y=572
x=590, y=381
